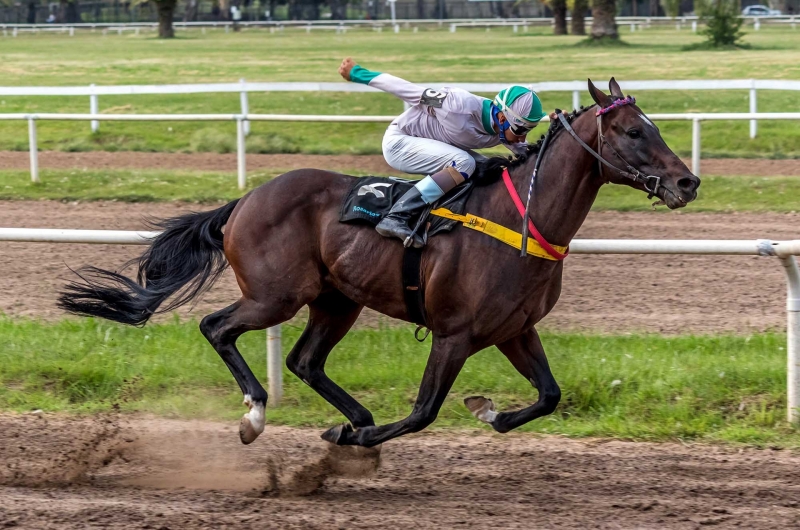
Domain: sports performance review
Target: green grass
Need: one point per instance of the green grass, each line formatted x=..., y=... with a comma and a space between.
x=434, y=56
x=727, y=388
x=717, y=194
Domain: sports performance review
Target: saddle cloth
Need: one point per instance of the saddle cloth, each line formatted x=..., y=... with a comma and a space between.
x=371, y=198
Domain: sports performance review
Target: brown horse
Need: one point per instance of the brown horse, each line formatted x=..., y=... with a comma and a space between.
x=288, y=250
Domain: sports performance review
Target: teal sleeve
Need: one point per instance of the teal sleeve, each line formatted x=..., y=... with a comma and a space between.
x=362, y=75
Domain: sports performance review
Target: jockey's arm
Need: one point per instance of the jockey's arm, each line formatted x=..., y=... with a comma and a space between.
x=405, y=90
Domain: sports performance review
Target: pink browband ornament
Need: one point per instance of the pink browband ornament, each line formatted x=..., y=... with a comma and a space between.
x=630, y=100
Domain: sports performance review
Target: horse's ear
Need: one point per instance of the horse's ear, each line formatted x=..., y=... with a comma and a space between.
x=616, y=91
x=598, y=96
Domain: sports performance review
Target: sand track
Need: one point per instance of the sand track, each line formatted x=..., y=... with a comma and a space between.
x=181, y=475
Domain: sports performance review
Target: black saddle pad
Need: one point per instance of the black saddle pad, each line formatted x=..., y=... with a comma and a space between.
x=371, y=198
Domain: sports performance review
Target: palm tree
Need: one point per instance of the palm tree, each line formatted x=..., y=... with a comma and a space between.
x=604, y=23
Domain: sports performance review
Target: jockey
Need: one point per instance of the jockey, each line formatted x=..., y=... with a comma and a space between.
x=436, y=135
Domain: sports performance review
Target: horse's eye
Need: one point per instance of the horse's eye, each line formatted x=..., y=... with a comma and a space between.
x=634, y=133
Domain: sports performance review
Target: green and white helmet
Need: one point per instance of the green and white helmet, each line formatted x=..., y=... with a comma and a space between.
x=521, y=107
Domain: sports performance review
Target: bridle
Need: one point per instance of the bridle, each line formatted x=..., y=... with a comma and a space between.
x=651, y=183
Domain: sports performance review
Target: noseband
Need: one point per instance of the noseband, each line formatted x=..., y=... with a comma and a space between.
x=651, y=183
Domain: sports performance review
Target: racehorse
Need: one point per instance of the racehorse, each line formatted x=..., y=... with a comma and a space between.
x=288, y=250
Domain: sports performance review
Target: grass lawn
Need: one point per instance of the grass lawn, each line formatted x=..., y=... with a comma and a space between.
x=717, y=194
x=427, y=56
x=723, y=388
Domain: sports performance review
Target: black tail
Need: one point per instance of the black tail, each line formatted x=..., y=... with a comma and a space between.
x=186, y=258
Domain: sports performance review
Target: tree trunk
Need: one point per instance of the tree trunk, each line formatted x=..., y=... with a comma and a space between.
x=68, y=12
x=166, y=10
x=559, y=8
x=604, y=23
x=653, y=8
x=420, y=9
x=31, y=12
x=441, y=9
x=578, y=18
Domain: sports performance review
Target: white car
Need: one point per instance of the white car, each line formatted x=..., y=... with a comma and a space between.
x=760, y=11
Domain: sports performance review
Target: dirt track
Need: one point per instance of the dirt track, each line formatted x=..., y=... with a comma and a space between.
x=374, y=164
x=148, y=473
x=672, y=294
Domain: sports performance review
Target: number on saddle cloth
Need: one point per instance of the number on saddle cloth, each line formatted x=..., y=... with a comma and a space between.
x=371, y=198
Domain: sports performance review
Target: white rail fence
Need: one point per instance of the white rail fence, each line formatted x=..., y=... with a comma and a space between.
x=242, y=121
x=243, y=88
x=783, y=250
x=341, y=26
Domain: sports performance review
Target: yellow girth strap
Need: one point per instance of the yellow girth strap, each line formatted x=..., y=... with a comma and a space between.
x=501, y=233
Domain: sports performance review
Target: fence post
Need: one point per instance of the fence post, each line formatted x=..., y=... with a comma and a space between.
x=696, y=146
x=753, y=108
x=576, y=99
x=34, y=149
x=274, y=365
x=792, y=337
x=240, y=153
x=245, y=106
x=94, y=108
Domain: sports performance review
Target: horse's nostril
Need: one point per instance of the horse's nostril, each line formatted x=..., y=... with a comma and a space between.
x=689, y=183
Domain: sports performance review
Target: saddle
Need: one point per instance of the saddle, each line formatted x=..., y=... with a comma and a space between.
x=369, y=201
x=371, y=198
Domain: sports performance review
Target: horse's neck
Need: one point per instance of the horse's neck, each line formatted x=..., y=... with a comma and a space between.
x=566, y=184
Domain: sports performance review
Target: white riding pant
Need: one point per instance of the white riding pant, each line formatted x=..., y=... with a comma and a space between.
x=423, y=156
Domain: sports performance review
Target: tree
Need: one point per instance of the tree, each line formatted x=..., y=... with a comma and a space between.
x=68, y=12
x=604, y=23
x=166, y=11
x=578, y=9
x=559, y=8
x=32, y=11
x=723, y=24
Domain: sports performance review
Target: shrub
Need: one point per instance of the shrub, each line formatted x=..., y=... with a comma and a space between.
x=723, y=25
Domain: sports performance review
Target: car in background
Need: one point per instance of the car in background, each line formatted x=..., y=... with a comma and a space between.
x=760, y=11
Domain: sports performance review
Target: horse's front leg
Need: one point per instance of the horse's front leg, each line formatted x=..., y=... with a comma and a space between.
x=527, y=355
x=448, y=355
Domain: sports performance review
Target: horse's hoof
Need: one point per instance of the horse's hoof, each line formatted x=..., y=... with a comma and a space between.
x=337, y=435
x=247, y=433
x=482, y=408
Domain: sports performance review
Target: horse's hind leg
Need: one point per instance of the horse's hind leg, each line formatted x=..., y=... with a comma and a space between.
x=527, y=355
x=222, y=329
x=447, y=357
x=330, y=318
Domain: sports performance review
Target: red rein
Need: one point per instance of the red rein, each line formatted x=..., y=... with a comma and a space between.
x=521, y=209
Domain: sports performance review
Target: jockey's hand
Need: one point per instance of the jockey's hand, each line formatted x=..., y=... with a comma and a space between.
x=345, y=68
x=554, y=117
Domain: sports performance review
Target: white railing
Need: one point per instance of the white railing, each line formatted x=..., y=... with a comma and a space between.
x=243, y=88
x=242, y=122
x=783, y=250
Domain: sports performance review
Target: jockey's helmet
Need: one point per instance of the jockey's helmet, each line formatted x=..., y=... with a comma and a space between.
x=521, y=107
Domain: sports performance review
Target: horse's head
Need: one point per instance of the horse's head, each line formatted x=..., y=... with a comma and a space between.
x=632, y=143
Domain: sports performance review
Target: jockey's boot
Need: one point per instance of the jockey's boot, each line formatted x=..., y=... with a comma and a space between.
x=425, y=192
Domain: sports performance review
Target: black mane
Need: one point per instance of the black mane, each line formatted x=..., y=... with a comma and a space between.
x=489, y=170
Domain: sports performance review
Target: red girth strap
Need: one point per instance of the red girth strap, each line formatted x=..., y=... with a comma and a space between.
x=521, y=209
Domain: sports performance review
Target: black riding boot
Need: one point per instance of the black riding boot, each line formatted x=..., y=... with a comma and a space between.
x=395, y=224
